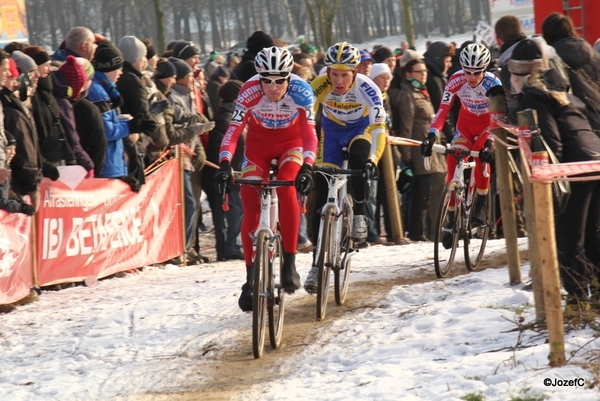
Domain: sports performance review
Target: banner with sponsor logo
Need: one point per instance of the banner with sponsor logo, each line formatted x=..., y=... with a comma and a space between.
x=99, y=227
x=13, y=22
x=16, y=273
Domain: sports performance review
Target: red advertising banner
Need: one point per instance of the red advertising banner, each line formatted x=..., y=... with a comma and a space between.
x=16, y=270
x=97, y=227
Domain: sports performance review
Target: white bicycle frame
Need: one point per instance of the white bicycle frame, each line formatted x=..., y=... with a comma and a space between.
x=336, y=199
x=459, y=177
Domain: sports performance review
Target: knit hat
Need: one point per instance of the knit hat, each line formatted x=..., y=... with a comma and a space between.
x=38, y=54
x=107, y=57
x=229, y=91
x=87, y=66
x=379, y=69
x=219, y=59
x=165, y=69
x=172, y=44
x=132, y=48
x=407, y=56
x=220, y=72
x=75, y=76
x=25, y=63
x=185, y=50
x=381, y=54
x=365, y=56
x=181, y=67
x=526, y=58
x=12, y=68
x=258, y=41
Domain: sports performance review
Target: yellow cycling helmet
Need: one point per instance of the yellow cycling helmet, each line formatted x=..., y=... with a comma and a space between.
x=342, y=56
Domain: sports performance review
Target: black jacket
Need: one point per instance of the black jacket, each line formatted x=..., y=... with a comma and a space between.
x=584, y=74
x=564, y=127
x=91, y=132
x=52, y=138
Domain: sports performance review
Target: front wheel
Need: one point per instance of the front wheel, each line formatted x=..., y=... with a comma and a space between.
x=342, y=272
x=446, y=236
x=276, y=300
x=477, y=234
x=323, y=263
x=260, y=267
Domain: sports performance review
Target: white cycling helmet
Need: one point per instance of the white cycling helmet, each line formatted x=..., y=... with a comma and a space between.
x=475, y=57
x=274, y=61
x=342, y=56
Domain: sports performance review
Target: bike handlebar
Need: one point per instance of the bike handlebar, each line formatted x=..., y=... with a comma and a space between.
x=335, y=170
x=263, y=182
x=456, y=152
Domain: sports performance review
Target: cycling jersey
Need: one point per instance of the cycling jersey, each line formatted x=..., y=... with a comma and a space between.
x=287, y=118
x=358, y=112
x=282, y=130
x=474, y=116
x=473, y=121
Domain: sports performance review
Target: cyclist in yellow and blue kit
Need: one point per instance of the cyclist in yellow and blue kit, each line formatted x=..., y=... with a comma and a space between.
x=353, y=117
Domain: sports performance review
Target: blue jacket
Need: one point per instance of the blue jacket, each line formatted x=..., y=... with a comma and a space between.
x=114, y=128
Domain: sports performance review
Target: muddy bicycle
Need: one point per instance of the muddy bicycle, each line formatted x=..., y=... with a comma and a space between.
x=460, y=224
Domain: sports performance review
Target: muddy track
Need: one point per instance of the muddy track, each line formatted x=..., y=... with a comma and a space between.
x=234, y=369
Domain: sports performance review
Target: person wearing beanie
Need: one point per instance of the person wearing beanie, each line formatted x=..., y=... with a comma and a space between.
x=366, y=62
x=107, y=57
x=218, y=78
x=569, y=135
x=133, y=50
x=133, y=91
x=29, y=74
x=182, y=68
x=27, y=166
x=41, y=58
x=384, y=54
x=187, y=52
x=186, y=113
x=68, y=83
x=105, y=97
x=227, y=223
x=255, y=43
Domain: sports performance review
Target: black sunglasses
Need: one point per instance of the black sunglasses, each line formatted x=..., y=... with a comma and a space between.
x=476, y=73
x=269, y=81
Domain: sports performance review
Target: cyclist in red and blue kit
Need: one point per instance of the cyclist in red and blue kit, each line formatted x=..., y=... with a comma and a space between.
x=278, y=109
x=470, y=85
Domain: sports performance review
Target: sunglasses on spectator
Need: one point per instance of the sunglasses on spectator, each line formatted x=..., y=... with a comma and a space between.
x=476, y=73
x=269, y=81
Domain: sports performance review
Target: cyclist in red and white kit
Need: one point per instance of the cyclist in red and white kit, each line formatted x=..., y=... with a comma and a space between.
x=278, y=109
x=470, y=85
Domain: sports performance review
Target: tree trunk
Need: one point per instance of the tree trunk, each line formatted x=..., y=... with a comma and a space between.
x=160, y=26
x=408, y=22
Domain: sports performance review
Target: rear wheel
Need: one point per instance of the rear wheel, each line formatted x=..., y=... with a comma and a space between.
x=276, y=300
x=342, y=272
x=323, y=263
x=259, y=293
x=446, y=236
x=476, y=236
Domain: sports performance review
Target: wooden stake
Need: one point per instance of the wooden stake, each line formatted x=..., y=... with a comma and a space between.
x=389, y=173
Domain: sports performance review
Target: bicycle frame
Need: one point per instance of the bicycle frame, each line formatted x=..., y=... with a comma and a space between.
x=336, y=200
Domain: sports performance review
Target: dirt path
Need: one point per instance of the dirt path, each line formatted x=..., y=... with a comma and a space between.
x=233, y=368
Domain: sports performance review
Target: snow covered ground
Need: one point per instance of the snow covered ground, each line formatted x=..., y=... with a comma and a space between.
x=154, y=332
